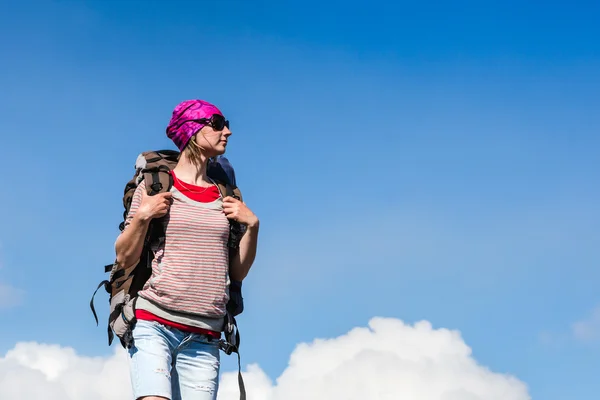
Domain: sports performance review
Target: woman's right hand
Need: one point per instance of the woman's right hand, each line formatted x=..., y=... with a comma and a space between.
x=154, y=206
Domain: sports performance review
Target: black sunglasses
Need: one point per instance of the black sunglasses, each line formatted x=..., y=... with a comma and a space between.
x=217, y=122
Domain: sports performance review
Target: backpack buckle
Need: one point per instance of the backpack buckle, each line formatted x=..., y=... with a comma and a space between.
x=156, y=187
x=227, y=347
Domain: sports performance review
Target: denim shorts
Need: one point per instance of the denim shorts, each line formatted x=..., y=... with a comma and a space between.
x=170, y=363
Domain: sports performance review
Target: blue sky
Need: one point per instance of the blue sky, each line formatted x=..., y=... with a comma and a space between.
x=417, y=161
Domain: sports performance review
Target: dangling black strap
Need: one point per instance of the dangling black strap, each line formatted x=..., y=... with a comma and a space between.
x=111, y=335
x=229, y=348
x=106, y=285
x=230, y=345
x=240, y=379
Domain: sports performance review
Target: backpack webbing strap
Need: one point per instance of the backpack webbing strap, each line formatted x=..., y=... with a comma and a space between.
x=111, y=335
x=158, y=179
x=240, y=379
x=106, y=285
x=231, y=345
x=227, y=348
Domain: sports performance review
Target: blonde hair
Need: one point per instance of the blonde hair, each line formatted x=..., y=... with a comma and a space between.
x=193, y=151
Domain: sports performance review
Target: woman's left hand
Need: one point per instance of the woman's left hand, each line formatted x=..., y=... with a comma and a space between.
x=238, y=211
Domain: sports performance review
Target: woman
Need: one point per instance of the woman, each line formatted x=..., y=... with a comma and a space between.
x=181, y=308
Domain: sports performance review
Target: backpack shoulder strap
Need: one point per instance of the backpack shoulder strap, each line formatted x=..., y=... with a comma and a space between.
x=152, y=167
x=222, y=173
x=227, y=189
x=155, y=167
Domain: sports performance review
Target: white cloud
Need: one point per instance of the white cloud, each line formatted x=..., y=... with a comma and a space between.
x=588, y=329
x=387, y=360
x=49, y=372
x=10, y=296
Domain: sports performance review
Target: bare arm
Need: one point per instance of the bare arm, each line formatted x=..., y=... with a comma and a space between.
x=130, y=243
x=242, y=259
x=144, y=208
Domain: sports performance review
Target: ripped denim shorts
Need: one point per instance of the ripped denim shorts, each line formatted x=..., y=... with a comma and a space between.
x=170, y=363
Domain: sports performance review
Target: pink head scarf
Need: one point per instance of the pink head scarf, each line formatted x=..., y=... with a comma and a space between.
x=182, y=126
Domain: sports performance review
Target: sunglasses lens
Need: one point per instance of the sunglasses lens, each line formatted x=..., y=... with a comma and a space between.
x=218, y=122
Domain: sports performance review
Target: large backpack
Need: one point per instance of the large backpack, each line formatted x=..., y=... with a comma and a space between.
x=125, y=282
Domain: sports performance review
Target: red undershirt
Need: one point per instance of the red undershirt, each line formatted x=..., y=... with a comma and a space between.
x=203, y=195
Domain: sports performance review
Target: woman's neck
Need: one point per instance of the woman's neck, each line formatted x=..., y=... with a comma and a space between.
x=191, y=173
